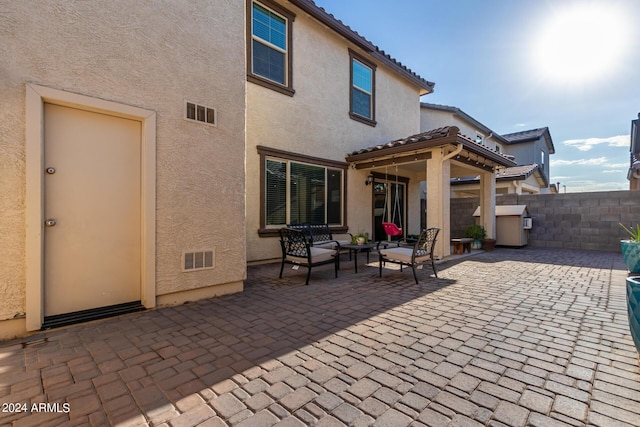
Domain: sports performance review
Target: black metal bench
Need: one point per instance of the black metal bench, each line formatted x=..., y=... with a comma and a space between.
x=297, y=250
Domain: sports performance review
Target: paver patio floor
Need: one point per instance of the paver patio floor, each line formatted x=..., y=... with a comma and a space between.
x=511, y=337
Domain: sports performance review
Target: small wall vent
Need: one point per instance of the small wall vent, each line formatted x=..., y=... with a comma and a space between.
x=197, y=260
x=200, y=113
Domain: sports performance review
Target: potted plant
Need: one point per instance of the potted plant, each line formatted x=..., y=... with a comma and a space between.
x=488, y=244
x=477, y=233
x=631, y=248
x=360, y=239
x=633, y=308
x=631, y=255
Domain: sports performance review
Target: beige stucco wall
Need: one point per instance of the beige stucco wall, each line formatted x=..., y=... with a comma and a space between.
x=315, y=121
x=153, y=56
x=433, y=119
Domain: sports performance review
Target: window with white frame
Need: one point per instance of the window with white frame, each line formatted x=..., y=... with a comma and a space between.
x=301, y=192
x=269, y=50
x=362, y=91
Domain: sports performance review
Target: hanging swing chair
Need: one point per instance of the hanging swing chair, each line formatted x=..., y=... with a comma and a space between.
x=391, y=228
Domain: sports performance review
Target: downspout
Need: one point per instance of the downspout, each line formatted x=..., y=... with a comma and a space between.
x=455, y=152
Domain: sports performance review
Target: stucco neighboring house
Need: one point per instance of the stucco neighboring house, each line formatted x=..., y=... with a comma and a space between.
x=436, y=115
x=525, y=179
x=529, y=177
x=533, y=146
x=122, y=133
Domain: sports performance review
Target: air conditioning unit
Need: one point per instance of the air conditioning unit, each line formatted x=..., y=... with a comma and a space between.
x=527, y=223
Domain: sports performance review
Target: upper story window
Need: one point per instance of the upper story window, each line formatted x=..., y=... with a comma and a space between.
x=362, y=90
x=269, y=51
x=479, y=138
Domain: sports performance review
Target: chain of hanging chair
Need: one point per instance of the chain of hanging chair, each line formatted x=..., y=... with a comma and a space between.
x=391, y=228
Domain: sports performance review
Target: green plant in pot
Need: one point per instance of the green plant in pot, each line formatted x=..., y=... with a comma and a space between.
x=631, y=249
x=360, y=239
x=477, y=233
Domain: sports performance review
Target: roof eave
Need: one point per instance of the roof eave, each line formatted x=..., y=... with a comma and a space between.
x=482, y=151
x=452, y=140
x=345, y=31
x=400, y=149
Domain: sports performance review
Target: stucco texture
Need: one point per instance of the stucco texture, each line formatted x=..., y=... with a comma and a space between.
x=152, y=55
x=316, y=122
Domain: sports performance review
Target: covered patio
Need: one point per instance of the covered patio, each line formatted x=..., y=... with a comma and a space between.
x=433, y=157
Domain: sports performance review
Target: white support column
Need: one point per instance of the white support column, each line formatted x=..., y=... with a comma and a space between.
x=488, y=203
x=438, y=203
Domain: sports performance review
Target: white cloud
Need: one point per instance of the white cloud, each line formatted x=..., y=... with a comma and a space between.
x=619, y=165
x=613, y=171
x=582, y=162
x=587, y=144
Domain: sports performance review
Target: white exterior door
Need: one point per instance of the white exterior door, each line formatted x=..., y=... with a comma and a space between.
x=92, y=210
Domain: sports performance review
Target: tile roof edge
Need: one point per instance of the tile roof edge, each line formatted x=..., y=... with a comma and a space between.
x=347, y=32
x=529, y=132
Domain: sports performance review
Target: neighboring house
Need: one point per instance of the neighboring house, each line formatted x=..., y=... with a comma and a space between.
x=123, y=126
x=529, y=177
x=526, y=179
x=532, y=146
x=633, y=175
x=435, y=115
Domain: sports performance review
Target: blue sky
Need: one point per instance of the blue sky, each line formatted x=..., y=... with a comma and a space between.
x=494, y=60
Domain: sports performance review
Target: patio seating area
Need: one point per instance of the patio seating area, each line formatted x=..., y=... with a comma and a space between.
x=513, y=337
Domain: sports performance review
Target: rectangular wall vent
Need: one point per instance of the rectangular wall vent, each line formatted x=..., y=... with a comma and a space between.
x=201, y=113
x=197, y=260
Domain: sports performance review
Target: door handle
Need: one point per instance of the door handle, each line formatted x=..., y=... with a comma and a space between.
x=50, y=222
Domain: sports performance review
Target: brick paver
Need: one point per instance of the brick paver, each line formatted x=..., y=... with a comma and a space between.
x=525, y=337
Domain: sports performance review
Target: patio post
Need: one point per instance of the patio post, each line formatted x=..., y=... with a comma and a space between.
x=438, y=204
x=488, y=203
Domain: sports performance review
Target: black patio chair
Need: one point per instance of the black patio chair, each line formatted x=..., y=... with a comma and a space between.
x=419, y=254
x=297, y=250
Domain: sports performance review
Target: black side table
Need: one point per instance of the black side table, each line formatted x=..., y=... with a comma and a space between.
x=359, y=248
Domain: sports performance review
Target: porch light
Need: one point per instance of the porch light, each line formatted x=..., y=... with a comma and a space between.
x=369, y=180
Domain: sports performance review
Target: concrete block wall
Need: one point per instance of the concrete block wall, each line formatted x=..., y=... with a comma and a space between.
x=573, y=221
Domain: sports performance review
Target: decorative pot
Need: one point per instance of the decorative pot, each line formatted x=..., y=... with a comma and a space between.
x=361, y=240
x=488, y=244
x=633, y=308
x=476, y=244
x=631, y=255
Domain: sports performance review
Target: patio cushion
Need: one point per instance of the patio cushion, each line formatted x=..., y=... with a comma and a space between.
x=331, y=244
x=317, y=255
x=402, y=255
